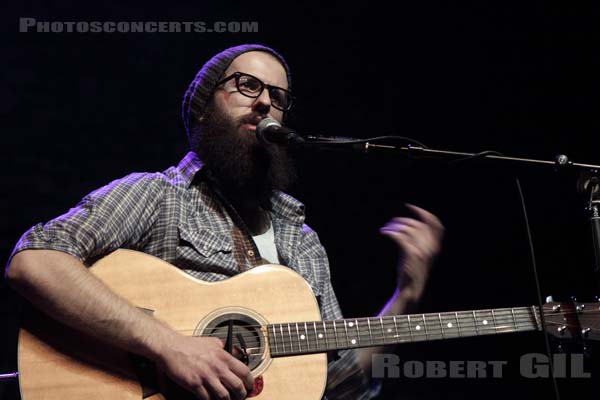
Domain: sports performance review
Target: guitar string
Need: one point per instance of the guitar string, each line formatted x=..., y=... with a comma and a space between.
x=431, y=318
x=382, y=337
x=431, y=331
x=435, y=334
x=522, y=316
x=295, y=343
x=468, y=315
x=321, y=349
x=376, y=338
x=462, y=314
x=526, y=324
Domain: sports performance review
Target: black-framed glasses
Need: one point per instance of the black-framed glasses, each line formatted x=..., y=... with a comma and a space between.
x=251, y=86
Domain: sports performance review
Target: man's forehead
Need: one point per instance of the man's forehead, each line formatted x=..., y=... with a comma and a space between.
x=262, y=65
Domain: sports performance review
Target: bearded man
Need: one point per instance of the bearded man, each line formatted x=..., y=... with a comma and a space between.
x=219, y=212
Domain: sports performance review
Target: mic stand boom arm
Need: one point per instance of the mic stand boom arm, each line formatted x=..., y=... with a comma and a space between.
x=588, y=184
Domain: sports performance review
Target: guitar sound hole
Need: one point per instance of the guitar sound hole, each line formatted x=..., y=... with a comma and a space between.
x=247, y=338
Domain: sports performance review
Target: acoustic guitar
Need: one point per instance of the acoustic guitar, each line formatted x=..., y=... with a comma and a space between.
x=269, y=314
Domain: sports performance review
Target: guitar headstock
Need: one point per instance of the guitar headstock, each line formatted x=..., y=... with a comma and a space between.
x=572, y=319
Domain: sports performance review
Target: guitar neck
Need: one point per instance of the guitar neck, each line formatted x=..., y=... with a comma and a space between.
x=296, y=338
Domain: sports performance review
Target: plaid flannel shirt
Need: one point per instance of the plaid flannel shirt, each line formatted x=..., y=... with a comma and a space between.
x=177, y=216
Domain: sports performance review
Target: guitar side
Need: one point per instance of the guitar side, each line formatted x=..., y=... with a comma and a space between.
x=56, y=362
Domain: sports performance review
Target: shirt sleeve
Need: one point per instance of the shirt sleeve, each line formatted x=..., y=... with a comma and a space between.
x=345, y=378
x=119, y=214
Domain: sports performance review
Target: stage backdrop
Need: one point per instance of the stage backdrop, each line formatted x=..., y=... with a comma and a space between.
x=82, y=109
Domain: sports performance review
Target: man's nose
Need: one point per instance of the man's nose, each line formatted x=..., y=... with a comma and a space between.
x=263, y=102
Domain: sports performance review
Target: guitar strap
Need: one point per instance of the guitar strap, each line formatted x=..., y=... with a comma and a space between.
x=246, y=252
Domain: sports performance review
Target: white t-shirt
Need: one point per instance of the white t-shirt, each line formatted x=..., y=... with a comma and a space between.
x=266, y=245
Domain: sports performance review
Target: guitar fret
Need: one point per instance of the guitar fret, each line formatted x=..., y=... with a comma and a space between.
x=512, y=310
x=409, y=328
x=435, y=330
x=535, y=316
x=274, y=337
x=369, y=328
x=291, y=341
x=495, y=323
x=282, y=336
x=457, y=323
x=357, y=331
x=396, y=328
x=441, y=325
x=325, y=332
x=346, y=329
x=382, y=329
x=485, y=320
x=475, y=319
x=298, y=336
x=425, y=326
x=337, y=343
x=316, y=335
x=307, y=338
x=508, y=320
x=450, y=325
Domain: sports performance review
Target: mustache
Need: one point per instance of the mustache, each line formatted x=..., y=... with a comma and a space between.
x=251, y=118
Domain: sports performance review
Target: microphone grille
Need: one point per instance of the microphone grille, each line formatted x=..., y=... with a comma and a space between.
x=267, y=123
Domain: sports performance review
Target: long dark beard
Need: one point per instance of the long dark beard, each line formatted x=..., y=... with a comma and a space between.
x=248, y=172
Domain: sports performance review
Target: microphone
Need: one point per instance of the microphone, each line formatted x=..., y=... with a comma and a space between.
x=271, y=131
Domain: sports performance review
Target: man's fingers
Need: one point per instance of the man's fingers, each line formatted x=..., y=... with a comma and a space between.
x=426, y=216
x=400, y=237
x=396, y=227
x=411, y=242
x=409, y=221
x=217, y=390
x=242, y=372
x=236, y=387
x=202, y=393
x=403, y=240
x=417, y=234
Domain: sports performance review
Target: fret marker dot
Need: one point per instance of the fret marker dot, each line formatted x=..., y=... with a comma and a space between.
x=418, y=327
x=302, y=337
x=485, y=321
x=353, y=341
x=449, y=324
x=350, y=324
x=389, y=330
x=320, y=336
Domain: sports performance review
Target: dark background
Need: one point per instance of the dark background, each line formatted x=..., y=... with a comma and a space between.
x=80, y=110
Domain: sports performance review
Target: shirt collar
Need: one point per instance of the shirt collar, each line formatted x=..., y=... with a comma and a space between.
x=288, y=207
x=188, y=167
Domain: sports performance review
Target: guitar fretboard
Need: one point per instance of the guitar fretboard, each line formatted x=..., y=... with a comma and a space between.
x=320, y=336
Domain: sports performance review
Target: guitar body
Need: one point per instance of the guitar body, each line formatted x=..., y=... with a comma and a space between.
x=56, y=362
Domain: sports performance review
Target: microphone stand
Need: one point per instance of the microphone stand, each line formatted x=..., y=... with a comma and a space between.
x=588, y=184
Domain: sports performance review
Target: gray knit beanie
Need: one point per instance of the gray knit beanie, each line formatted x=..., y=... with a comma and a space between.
x=198, y=93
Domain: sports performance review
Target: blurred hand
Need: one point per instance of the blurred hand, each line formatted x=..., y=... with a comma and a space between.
x=419, y=241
